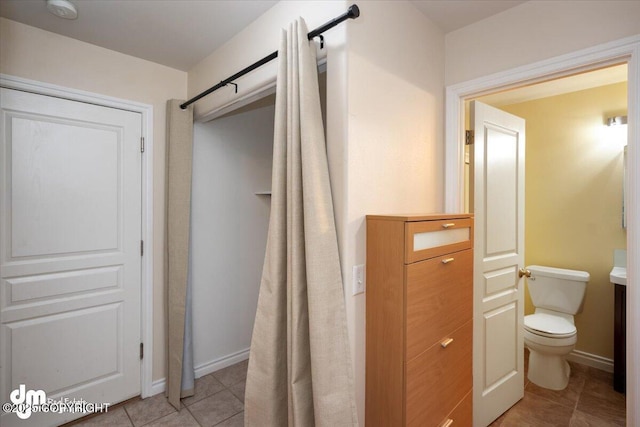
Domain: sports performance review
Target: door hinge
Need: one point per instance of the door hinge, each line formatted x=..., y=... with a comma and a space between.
x=142, y=144
x=141, y=247
x=141, y=351
x=468, y=137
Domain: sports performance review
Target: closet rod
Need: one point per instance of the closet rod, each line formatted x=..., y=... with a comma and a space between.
x=352, y=13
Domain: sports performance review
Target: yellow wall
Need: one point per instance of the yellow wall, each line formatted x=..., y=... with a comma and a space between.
x=573, y=180
x=35, y=54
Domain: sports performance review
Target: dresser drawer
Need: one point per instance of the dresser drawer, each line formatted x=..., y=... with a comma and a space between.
x=439, y=299
x=462, y=415
x=427, y=239
x=438, y=379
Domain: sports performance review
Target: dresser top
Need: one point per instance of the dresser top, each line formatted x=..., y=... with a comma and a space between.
x=420, y=217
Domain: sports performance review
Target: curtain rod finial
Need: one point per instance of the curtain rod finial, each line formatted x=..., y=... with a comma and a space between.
x=354, y=11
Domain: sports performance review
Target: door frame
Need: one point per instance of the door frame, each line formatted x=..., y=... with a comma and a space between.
x=616, y=52
x=146, y=277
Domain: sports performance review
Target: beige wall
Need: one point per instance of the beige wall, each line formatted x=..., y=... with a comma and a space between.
x=395, y=125
x=534, y=31
x=256, y=41
x=573, y=178
x=39, y=55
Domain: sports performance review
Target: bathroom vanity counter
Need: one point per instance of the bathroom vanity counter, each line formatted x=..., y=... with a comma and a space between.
x=618, y=276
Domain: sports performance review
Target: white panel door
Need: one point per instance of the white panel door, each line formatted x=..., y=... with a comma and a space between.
x=498, y=347
x=70, y=231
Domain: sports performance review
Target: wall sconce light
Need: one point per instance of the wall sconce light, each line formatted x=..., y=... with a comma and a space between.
x=616, y=121
x=615, y=131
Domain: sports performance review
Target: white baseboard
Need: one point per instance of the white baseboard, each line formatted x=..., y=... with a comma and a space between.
x=158, y=386
x=221, y=363
x=592, y=360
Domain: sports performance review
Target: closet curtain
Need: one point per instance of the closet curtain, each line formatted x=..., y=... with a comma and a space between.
x=299, y=367
x=180, y=375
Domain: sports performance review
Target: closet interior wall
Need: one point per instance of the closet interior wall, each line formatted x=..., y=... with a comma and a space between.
x=232, y=158
x=229, y=221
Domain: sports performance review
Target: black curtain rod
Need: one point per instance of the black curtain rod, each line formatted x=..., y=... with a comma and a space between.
x=352, y=13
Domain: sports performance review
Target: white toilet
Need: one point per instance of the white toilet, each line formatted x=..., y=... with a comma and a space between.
x=550, y=333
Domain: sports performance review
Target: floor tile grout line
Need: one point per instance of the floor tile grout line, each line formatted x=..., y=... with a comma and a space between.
x=128, y=416
x=574, y=407
x=137, y=399
x=193, y=416
x=580, y=393
x=155, y=419
x=225, y=388
x=228, y=418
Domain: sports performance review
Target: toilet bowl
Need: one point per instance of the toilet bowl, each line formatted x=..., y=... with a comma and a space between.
x=550, y=333
x=548, y=350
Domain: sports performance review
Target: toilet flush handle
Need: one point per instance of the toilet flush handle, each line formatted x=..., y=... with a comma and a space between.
x=524, y=272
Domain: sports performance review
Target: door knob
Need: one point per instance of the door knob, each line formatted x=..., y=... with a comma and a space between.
x=524, y=272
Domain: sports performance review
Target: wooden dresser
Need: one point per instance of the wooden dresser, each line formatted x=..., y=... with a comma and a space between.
x=419, y=320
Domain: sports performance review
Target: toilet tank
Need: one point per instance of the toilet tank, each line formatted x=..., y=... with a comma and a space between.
x=557, y=289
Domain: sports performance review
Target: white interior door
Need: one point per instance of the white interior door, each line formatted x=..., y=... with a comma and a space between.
x=70, y=232
x=498, y=347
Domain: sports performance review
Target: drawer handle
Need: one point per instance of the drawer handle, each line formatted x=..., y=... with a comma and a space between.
x=446, y=342
x=448, y=260
x=447, y=423
x=449, y=225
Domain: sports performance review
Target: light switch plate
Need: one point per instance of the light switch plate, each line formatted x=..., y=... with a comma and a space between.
x=358, y=279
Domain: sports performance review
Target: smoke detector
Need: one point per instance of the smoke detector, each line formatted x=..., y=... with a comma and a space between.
x=62, y=9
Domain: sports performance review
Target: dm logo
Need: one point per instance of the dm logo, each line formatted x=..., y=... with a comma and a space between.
x=26, y=400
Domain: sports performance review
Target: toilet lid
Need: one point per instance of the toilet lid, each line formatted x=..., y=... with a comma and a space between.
x=548, y=324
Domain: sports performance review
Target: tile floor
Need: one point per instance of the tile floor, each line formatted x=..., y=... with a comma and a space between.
x=588, y=401
x=218, y=401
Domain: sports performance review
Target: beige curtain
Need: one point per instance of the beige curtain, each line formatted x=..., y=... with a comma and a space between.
x=178, y=199
x=299, y=367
